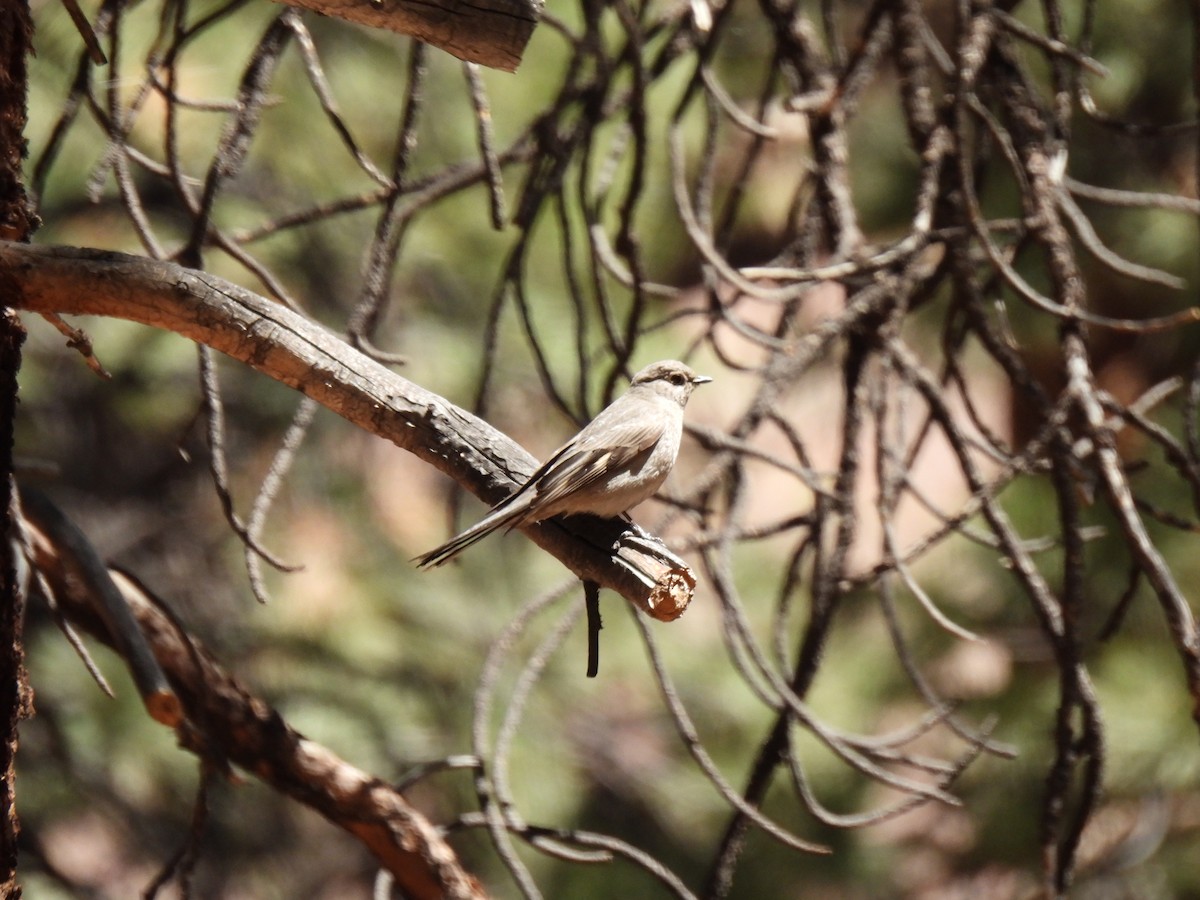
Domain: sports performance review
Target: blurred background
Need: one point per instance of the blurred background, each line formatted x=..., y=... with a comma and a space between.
x=615, y=113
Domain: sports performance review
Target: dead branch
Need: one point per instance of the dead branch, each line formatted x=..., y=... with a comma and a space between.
x=226, y=724
x=303, y=355
x=493, y=33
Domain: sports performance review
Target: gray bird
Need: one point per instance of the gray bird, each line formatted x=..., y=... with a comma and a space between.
x=618, y=460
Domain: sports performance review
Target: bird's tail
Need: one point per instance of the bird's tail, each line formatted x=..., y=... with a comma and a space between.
x=499, y=518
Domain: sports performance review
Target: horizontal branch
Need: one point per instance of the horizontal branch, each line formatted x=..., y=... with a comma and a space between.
x=490, y=32
x=305, y=356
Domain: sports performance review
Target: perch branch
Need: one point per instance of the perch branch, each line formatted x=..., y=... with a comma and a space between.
x=304, y=356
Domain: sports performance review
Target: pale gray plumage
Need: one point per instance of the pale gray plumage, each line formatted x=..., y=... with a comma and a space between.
x=618, y=460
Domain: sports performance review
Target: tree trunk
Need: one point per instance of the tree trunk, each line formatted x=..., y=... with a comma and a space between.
x=17, y=222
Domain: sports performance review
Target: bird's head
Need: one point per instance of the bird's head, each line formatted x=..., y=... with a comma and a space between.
x=669, y=378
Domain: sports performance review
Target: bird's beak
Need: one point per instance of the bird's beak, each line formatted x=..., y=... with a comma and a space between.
x=701, y=379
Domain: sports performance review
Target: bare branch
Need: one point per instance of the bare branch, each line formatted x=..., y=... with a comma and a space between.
x=302, y=355
x=225, y=724
x=492, y=33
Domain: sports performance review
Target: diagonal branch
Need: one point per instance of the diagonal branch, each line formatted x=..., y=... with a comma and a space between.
x=226, y=724
x=303, y=355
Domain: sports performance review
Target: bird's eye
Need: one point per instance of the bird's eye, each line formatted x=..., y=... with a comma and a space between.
x=676, y=378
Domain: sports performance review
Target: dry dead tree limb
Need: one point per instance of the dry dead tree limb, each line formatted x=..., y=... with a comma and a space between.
x=492, y=33
x=303, y=355
x=225, y=723
x=54, y=543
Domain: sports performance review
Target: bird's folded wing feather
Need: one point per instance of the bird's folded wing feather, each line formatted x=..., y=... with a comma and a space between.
x=580, y=463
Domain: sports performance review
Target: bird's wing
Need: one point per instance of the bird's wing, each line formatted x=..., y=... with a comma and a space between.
x=615, y=439
x=592, y=454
